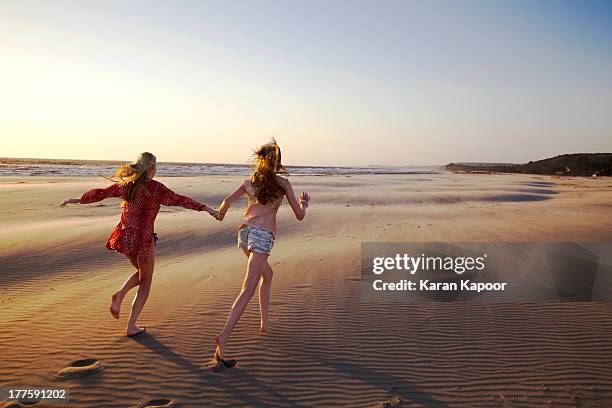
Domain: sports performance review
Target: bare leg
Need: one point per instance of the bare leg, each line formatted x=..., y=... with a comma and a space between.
x=255, y=266
x=131, y=282
x=145, y=270
x=264, y=298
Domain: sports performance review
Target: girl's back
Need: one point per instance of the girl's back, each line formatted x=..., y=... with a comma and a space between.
x=261, y=215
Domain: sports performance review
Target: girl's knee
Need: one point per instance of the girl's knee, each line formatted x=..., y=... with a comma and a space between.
x=267, y=272
x=249, y=290
x=146, y=276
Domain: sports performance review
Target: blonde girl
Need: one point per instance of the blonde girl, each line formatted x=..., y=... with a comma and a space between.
x=134, y=236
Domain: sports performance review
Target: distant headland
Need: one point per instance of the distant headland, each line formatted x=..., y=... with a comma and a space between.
x=576, y=164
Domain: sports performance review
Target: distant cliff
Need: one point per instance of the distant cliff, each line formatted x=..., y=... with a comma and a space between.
x=577, y=164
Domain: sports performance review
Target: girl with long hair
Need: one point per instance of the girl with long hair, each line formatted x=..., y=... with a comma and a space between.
x=134, y=236
x=265, y=190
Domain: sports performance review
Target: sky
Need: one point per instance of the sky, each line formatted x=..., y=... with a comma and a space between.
x=335, y=82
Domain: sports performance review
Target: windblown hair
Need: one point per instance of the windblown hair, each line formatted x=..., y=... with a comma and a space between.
x=267, y=164
x=133, y=175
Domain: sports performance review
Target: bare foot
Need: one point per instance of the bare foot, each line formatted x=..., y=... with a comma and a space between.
x=265, y=327
x=218, y=365
x=133, y=331
x=220, y=346
x=116, y=305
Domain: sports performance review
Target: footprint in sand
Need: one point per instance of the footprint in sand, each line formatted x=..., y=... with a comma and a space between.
x=157, y=403
x=80, y=368
x=23, y=404
x=15, y=404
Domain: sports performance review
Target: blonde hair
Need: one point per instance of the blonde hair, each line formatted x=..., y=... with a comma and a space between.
x=133, y=175
x=267, y=164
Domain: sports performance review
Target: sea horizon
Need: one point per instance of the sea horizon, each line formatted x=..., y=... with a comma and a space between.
x=40, y=167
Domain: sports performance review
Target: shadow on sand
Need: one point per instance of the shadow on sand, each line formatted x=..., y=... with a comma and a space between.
x=394, y=385
x=516, y=198
x=238, y=385
x=541, y=184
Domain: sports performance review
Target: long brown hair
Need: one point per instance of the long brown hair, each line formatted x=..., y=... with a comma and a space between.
x=267, y=165
x=133, y=175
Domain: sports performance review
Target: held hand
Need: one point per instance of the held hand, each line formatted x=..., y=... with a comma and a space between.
x=220, y=216
x=213, y=213
x=70, y=201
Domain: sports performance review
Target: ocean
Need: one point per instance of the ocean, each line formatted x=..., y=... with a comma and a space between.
x=17, y=167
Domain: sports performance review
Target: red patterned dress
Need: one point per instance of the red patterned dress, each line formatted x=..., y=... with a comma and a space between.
x=133, y=235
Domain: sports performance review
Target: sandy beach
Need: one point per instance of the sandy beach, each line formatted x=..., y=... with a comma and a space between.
x=330, y=349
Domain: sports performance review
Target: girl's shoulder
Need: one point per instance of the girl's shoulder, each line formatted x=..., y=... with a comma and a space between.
x=248, y=186
x=153, y=184
x=282, y=180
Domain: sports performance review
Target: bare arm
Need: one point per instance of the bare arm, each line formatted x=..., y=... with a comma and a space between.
x=298, y=206
x=229, y=200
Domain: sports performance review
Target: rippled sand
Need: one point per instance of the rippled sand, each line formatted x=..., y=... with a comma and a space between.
x=330, y=349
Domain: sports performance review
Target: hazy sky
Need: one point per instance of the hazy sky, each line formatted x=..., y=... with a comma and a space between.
x=336, y=82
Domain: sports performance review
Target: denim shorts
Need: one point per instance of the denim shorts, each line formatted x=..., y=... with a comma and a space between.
x=255, y=239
